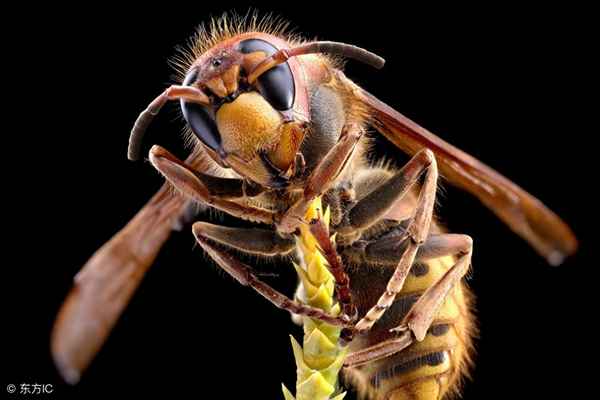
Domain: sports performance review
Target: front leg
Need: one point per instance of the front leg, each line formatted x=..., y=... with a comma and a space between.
x=322, y=177
x=320, y=231
x=210, y=190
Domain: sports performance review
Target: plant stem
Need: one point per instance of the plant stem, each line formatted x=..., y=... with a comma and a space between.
x=320, y=358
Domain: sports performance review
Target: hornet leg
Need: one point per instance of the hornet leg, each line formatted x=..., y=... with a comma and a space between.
x=196, y=186
x=322, y=177
x=418, y=320
x=342, y=282
x=247, y=240
x=245, y=276
x=387, y=251
x=417, y=231
x=373, y=207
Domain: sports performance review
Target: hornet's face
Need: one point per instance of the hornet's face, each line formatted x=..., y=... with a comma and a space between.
x=254, y=126
x=246, y=100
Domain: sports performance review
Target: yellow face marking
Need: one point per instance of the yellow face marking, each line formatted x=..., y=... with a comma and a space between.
x=248, y=124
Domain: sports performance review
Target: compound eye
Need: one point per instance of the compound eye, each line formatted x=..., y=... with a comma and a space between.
x=199, y=119
x=277, y=84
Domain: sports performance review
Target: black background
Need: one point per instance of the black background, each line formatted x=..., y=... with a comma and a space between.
x=506, y=85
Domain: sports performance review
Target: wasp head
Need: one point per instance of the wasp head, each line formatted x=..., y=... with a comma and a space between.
x=246, y=100
x=249, y=123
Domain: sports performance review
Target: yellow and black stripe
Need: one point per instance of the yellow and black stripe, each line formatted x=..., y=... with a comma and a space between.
x=426, y=370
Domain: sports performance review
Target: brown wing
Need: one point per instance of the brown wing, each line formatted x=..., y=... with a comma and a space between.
x=106, y=283
x=522, y=212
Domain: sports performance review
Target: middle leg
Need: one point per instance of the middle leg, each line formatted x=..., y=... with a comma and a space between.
x=266, y=242
x=245, y=275
x=379, y=201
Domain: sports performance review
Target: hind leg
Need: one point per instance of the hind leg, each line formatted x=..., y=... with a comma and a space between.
x=419, y=318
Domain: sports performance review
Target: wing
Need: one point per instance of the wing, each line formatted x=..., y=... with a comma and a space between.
x=523, y=213
x=106, y=283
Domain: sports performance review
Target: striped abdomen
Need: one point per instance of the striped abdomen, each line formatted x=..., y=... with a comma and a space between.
x=425, y=370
